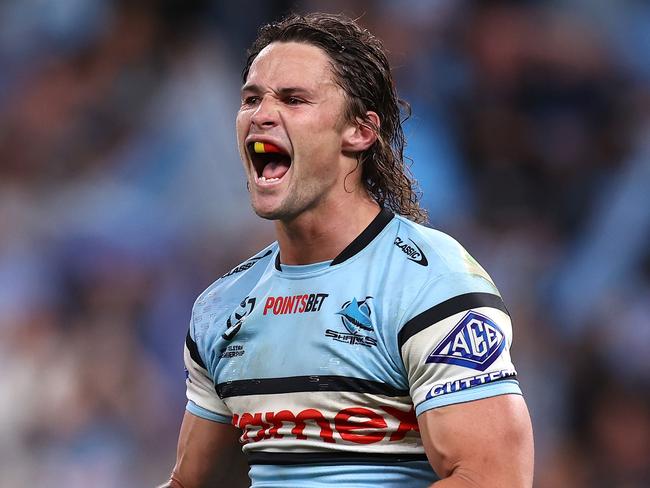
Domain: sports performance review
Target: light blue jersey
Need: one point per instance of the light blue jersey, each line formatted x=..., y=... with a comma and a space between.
x=325, y=367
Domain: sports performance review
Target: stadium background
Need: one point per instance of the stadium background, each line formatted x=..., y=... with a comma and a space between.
x=122, y=197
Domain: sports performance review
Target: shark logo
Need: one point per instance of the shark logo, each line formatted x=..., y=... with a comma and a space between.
x=355, y=315
x=236, y=319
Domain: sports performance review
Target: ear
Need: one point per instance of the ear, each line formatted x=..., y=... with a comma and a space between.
x=361, y=135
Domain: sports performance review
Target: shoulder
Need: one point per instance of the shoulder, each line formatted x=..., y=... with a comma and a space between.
x=438, y=253
x=260, y=257
x=233, y=285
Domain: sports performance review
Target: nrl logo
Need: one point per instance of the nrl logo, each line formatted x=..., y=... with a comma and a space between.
x=236, y=319
x=475, y=342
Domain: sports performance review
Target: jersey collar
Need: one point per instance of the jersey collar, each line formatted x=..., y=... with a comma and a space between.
x=360, y=242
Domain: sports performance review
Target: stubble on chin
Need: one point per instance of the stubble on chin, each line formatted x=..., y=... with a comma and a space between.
x=286, y=210
x=278, y=212
x=267, y=215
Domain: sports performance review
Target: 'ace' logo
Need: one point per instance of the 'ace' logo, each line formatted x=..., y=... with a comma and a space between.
x=475, y=342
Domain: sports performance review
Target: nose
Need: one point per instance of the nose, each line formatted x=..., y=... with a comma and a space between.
x=266, y=114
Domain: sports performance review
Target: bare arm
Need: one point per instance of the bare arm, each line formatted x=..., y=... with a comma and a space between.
x=205, y=453
x=480, y=444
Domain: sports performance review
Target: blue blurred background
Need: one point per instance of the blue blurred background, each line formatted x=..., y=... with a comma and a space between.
x=122, y=197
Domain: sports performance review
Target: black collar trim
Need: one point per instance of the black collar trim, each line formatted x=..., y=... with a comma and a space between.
x=366, y=237
x=360, y=242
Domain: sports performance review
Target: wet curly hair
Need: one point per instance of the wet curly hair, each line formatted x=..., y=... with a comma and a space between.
x=362, y=70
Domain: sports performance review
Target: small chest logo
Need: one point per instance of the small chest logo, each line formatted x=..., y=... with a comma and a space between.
x=247, y=265
x=236, y=319
x=356, y=317
x=412, y=251
x=475, y=342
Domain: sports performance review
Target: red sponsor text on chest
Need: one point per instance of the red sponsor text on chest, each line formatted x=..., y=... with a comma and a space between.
x=307, y=302
x=353, y=424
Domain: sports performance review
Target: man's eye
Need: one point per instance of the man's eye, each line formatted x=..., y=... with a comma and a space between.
x=252, y=100
x=293, y=101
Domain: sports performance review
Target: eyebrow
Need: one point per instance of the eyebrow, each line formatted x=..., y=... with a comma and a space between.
x=282, y=92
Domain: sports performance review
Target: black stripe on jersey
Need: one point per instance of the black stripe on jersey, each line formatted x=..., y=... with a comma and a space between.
x=447, y=308
x=194, y=350
x=284, y=458
x=295, y=384
x=366, y=237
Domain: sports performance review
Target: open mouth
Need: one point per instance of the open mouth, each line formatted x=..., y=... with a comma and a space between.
x=271, y=162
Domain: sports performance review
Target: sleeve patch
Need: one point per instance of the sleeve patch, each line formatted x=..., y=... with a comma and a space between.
x=446, y=309
x=475, y=342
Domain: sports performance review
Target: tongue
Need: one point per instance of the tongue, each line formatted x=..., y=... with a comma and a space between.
x=275, y=169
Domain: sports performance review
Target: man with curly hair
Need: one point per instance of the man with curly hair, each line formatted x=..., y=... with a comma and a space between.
x=361, y=348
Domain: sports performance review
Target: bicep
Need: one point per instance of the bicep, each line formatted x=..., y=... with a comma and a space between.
x=486, y=442
x=206, y=451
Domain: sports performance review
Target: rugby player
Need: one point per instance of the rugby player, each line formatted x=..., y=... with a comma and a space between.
x=362, y=348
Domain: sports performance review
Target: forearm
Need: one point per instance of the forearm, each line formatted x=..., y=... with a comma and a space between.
x=207, y=454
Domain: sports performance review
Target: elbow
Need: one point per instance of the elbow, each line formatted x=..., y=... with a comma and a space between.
x=173, y=482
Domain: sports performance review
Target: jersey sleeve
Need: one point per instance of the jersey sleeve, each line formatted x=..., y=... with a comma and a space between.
x=455, y=343
x=202, y=398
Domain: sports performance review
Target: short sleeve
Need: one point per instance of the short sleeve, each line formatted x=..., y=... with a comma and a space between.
x=455, y=343
x=202, y=398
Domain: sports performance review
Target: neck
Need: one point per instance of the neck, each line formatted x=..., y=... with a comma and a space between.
x=321, y=233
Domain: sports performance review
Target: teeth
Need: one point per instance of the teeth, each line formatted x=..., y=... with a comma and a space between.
x=268, y=180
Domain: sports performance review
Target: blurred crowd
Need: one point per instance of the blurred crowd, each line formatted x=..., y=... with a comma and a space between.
x=122, y=198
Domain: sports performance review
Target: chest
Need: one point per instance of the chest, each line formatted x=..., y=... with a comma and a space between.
x=287, y=328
